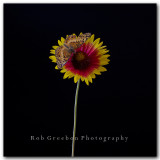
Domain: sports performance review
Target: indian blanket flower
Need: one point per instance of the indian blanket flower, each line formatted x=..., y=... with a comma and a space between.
x=87, y=61
x=82, y=63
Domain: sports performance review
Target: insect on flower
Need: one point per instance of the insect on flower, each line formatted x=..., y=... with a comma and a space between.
x=80, y=57
x=64, y=52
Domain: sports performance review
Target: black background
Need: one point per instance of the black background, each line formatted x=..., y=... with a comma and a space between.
x=37, y=101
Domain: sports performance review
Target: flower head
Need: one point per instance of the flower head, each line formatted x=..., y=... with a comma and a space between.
x=86, y=62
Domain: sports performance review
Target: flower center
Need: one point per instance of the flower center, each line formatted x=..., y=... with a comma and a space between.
x=80, y=60
x=80, y=56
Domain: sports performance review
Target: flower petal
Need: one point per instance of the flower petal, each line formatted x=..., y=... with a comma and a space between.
x=93, y=75
x=86, y=80
x=60, y=43
x=99, y=45
x=104, y=51
x=52, y=51
x=96, y=71
x=82, y=78
x=102, y=69
x=55, y=47
x=62, y=39
x=96, y=42
x=104, y=62
x=63, y=71
x=89, y=79
x=76, y=78
x=53, y=58
x=90, y=40
x=102, y=47
x=66, y=75
x=74, y=35
x=70, y=75
x=104, y=56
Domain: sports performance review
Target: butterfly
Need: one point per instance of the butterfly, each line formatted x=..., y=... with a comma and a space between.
x=64, y=52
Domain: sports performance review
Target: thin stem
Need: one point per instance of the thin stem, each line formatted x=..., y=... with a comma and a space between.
x=75, y=118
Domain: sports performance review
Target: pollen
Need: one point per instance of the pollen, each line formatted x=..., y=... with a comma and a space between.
x=80, y=56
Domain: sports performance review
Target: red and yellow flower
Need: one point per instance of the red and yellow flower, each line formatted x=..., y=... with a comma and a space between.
x=87, y=61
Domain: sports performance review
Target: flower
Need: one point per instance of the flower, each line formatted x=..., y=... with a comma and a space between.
x=86, y=62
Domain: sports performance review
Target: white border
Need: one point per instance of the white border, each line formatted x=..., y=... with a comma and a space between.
x=66, y=1
x=80, y=1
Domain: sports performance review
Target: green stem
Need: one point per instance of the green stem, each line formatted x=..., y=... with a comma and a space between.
x=75, y=118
